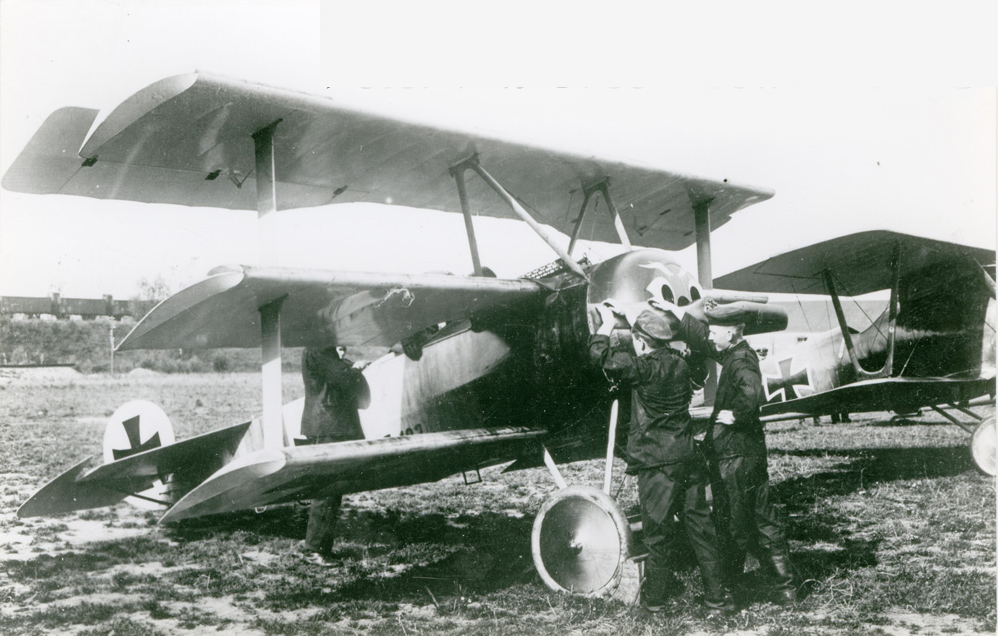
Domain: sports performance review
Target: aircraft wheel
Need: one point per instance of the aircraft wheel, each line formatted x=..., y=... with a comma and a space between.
x=982, y=446
x=580, y=541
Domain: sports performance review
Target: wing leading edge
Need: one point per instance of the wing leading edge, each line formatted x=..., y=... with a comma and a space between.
x=319, y=307
x=187, y=140
x=861, y=262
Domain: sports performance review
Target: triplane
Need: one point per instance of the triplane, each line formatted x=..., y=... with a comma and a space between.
x=489, y=370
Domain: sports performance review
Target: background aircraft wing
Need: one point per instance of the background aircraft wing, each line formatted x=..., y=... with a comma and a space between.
x=860, y=263
x=313, y=472
x=187, y=140
x=901, y=395
x=321, y=306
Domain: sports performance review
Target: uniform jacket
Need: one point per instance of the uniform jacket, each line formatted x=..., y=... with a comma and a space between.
x=661, y=428
x=332, y=391
x=739, y=390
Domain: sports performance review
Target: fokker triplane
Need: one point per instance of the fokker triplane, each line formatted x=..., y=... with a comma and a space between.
x=490, y=370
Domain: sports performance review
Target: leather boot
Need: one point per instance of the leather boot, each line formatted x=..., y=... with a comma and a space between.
x=734, y=568
x=658, y=586
x=783, y=591
x=717, y=598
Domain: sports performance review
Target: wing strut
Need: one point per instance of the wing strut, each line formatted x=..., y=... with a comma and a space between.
x=471, y=163
x=701, y=216
x=705, y=275
x=266, y=191
x=270, y=331
x=887, y=370
x=602, y=186
x=578, y=221
x=458, y=174
x=270, y=314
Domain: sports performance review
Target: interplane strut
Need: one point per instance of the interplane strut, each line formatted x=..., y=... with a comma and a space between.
x=472, y=163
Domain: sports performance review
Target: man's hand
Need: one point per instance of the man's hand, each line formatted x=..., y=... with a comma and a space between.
x=696, y=309
x=725, y=417
x=608, y=313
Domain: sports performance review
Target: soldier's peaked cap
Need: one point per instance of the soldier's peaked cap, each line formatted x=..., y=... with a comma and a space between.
x=653, y=324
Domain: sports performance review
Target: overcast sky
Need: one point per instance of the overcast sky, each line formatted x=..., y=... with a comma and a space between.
x=840, y=160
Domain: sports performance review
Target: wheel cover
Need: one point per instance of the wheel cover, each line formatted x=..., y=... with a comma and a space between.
x=982, y=447
x=580, y=541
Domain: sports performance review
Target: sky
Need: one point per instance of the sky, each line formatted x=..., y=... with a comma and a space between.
x=921, y=160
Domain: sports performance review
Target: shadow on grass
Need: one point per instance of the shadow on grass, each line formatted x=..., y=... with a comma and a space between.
x=865, y=467
x=286, y=521
x=493, y=553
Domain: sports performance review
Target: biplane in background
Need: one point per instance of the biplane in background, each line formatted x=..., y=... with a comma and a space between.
x=932, y=347
x=489, y=370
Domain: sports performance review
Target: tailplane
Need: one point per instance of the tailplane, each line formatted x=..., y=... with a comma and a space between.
x=136, y=427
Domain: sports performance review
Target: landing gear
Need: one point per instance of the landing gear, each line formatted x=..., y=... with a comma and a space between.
x=982, y=446
x=982, y=437
x=580, y=541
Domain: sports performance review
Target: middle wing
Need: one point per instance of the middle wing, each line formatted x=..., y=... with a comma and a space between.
x=320, y=306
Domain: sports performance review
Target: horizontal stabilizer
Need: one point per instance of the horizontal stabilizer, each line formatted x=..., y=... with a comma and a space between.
x=319, y=307
x=66, y=493
x=82, y=487
x=186, y=456
x=188, y=140
x=860, y=263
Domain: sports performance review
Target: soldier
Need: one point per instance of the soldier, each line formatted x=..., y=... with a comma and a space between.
x=334, y=389
x=736, y=447
x=672, y=472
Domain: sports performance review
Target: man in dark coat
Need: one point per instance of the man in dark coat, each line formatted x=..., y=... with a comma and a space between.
x=334, y=389
x=736, y=447
x=672, y=472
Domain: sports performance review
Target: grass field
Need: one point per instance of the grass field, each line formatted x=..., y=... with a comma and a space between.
x=892, y=532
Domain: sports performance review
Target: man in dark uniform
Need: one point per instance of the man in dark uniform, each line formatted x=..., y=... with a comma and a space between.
x=334, y=389
x=736, y=447
x=672, y=473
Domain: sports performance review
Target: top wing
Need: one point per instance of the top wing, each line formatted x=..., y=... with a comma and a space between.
x=862, y=262
x=319, y=307
x=187, y=140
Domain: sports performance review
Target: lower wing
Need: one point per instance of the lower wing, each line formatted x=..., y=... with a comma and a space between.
x=314, y=472
x=901, y=395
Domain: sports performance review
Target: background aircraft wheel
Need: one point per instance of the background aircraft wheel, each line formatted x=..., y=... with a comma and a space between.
x=982, y=446
x=580, y=541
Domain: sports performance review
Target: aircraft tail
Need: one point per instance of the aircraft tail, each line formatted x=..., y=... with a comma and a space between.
x=136, y=427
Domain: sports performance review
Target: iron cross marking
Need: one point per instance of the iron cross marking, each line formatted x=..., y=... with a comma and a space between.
x=135, y=445
x=787, y=383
